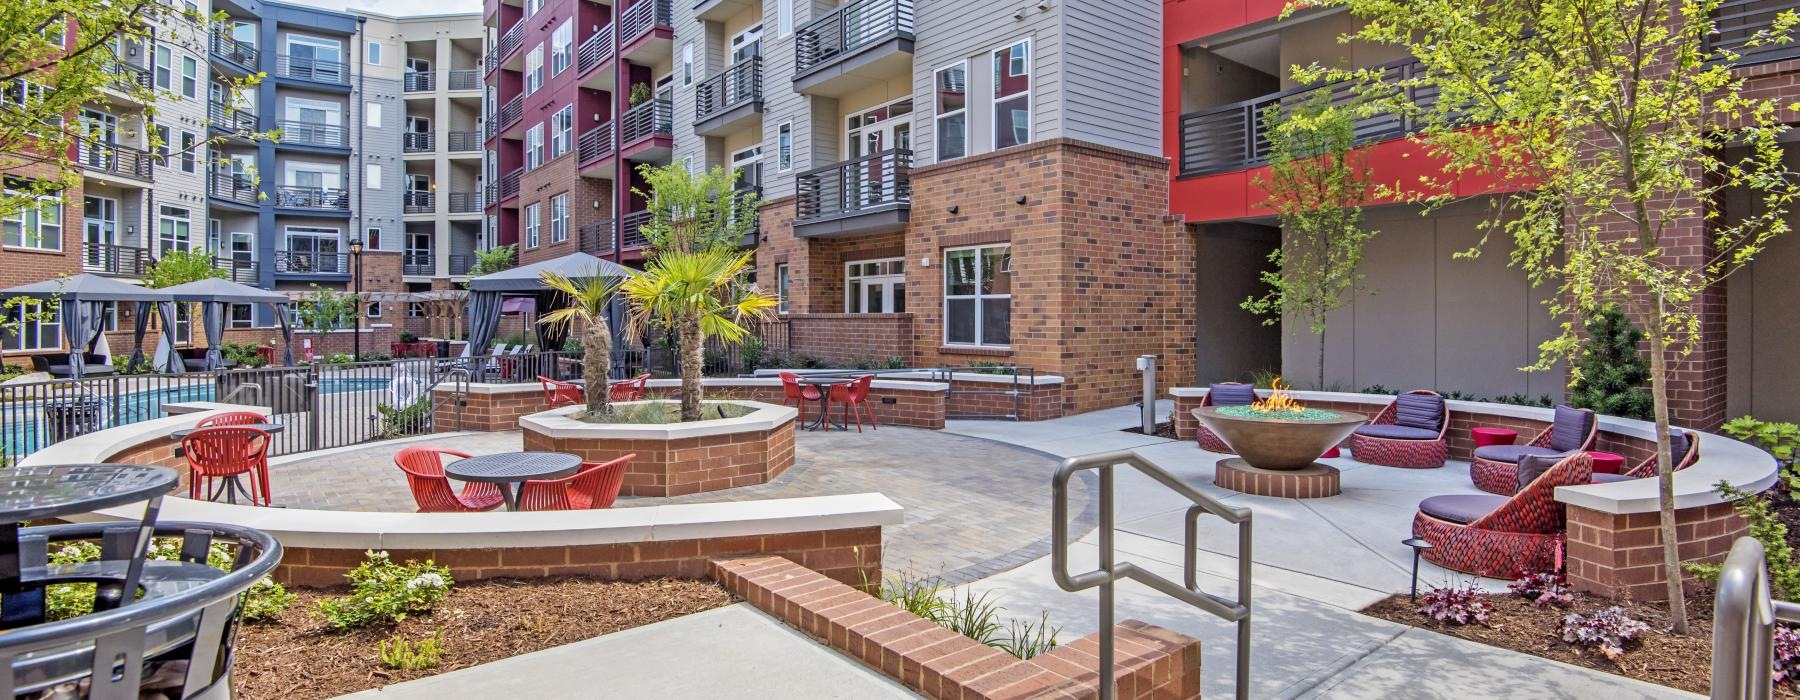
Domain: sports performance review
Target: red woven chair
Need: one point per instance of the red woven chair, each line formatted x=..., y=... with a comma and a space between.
x=561, y=393
x=1495, y=468
x=629, y=389
x=1394, y=440
x=1208, y=441
x=226, y=453
x=1502, y=537
x=595, y=486
x=424, y=467
x=854, y=395
x=800, y=394
x=1684, y=458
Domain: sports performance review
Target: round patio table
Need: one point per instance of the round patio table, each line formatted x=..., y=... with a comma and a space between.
x=824, y=384
x=510, y=470
x=42, y=493
x=1488, y=437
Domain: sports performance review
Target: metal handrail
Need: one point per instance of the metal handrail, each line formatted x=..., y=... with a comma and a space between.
x=321, y=70
x=876, y=180
x=460, y=141
x=647, y=119
x=1111, y=570
x=947, y=376
x=511, y=112
x=594, y=144
x=848, y=29
x=509, y=41
x=418, y=142
x=418, y=81
x=594, y=50
x=509, y=183
x=1744, y=620
x=631, y=230
x=309, y=134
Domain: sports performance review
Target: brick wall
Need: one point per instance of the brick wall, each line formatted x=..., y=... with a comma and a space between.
x=842, y=339
x=1620, y=556
x=911, y=408
x=486, y=412
x=26, y=265
x=1036, y=402
x=551, y=179
x=685, y=465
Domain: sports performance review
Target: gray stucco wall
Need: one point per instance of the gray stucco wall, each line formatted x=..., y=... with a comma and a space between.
x=1764, y=326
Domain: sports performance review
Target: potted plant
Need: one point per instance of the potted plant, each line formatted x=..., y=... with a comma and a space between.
x=640, y=93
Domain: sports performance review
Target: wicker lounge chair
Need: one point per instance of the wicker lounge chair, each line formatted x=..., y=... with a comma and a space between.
x=1222, y=394
x=1410, y=433
x=1683, y=444
x=1499, y=536
x=1495, y=468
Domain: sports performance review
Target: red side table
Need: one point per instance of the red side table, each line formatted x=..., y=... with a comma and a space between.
x=1487, y=437
x=1607, y=462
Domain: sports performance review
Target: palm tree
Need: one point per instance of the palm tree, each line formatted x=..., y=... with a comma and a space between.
x=700, y=295
x=588, y=300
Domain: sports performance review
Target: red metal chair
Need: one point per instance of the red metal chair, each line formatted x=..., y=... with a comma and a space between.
x=226, y=453
x=561, y=393
x=793, y=390
x=424, y=467
x=232, y=418
x=854, y=395
x=595, y=486
x=629, y=389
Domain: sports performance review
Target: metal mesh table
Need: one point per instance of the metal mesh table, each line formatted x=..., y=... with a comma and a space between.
x=512, y=469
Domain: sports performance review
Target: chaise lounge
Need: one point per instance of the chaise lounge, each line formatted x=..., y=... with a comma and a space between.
x=1222, y=394
x=1495, y=468
x=1409, y=433
x=1500, y=536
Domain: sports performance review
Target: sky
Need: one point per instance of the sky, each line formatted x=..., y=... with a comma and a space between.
x=397, y=8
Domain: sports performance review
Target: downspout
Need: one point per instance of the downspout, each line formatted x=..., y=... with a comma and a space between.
x=621, y=171
x=362, y=93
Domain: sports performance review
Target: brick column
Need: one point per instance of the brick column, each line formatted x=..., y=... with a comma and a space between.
x=1620, y=555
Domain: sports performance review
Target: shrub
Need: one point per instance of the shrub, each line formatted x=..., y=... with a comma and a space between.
x=398, y=653
x=1458, y=605
x=9, y=371
x=267, y=600
x=753, y=353
x=1547, y=588
x=1024, y=639
x=1787, y=655
x=243, y=354
x=1610, y=372
x=1609, y=631
x=895, y=363
x=1780, y=439
x=408, y=337
x=395, y=422
x=383, y=592
x=974, y=616
x=1767, y=528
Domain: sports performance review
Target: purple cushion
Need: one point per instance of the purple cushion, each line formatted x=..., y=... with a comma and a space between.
x=1392, y=431
x=1461, y=508
x=1533, y=466
x=1678, y=445
x=1510, y=453
x=1232, y=394
x=1571, y=428
x=1611, y=478
x=1425, y=411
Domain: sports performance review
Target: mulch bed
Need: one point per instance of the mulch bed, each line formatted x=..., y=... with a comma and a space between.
x=1660, y=658
x=297, y=657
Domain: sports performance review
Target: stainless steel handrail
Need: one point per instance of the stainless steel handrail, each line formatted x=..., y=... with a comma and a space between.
x=1744, y=620
x=1111, y=570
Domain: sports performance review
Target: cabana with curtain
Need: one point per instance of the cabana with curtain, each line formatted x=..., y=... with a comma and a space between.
x=487, y=295
x=81, y=301
x=218, y=295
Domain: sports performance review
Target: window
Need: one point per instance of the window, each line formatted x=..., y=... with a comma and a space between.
x=241, y=316
x=534, y=69
x=165, y=68
x=165, y=139
x=190, y=77
x=374, y=54
x=559, y=218
x=784, y=148
x=532, y=7
x=372, y=115
x=875, y=286
x=372, y=236
x=562, y=47
x=952, y=100
x=688, y=164
x=415, y=310
x=38, y=227
x=531, y=226
x=978, y=296
x=172, y=230
x=534, y=146
x=1012, y=95
x=562, y=131
x=373, y=310
x=30, y=332
x=372, y=176
x=190, y=150
x=784, y=17
x=687, y=64
x=781, y=288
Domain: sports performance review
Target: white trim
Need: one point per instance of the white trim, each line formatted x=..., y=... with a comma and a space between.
x=937, y=117
x=977, y=297
x=556, y=423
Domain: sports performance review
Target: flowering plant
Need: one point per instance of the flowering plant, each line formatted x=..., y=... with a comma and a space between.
x=1546, y=588
x=1608, y=630
x=1457, y=605
x=382, y=591
x=1787, y=655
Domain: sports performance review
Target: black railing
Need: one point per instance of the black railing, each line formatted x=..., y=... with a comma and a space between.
x=308, y=134
x=461, y=264
x=509, y=183
x=1736, y=22
x=507, y=43
x=511, y=112
x=307, y=262
x=738, y=85
x=127, y=76
x=849, y=29
x=463, y=79
x=296, y=197
x=631, y=227
x=114, y=159
x=597, y=143
x=418, y=263
x=118, y=260
x=235, y=187
x=653, y=118
x=642, y=17
x=238, y=52
x=420, y=81
x=465, y=202
x=240, y=270
x=876, y=180
x=594, y=50
x=462, y=141
x=231, y=120
x=596, y=239
x=490, y=195
x=418, y=142
x=417, y=203
x=319, y=70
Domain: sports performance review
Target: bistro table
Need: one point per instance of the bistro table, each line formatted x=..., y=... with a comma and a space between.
x=232, y=486
x=824, y=383
x=43, y=493
x=510, y=470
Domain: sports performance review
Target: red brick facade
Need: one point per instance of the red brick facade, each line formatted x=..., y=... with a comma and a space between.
x=843, y=339
x=1620, y=556
x=685, y=465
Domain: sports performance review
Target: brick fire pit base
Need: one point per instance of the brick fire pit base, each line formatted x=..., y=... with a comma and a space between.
x=1315, y=481
x=677, y=458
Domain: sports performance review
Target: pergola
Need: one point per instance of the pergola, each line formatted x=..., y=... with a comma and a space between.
x=218, y=295
x=487, y=293
x=82, y=300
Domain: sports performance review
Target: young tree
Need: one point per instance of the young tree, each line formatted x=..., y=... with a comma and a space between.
x=691, y=212
x=1316, y=184
x=175, y=267
x=493, y=260
x=589, y=300
x=327, y=310
x=702, y=295
x=1624, y=123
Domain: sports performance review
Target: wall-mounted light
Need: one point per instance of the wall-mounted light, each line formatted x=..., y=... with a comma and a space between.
x=925, y=261
x=952, y=209
x=1021, y=200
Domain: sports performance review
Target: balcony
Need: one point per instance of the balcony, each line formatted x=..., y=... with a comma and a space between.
x=631, y=227
x=230, y=120
x=646, y=31
x=1736, y=22
x=309, y=134
x=312, y=198
x=239, y=270
x=128, y=77
x=238, y=53
x=115, y=260
x=594, y=50
x=646, y=123
x=417, y=203
x=490, y=195
x=509, y=184
x=721, y=10
x=871, y=194
x=594, y=145
x=463, y=141
x=418, y=263
x=232, y=187
x=855, y=46
x=311, y=262
x=511, y=113
x=504, y=46
x=463, y=79
x=461, y=264
x=318, y=70
x=422, y=81
x=116, y=160
x=418, y=142
x=730, y=100
x=596, y=239
x=465, y=202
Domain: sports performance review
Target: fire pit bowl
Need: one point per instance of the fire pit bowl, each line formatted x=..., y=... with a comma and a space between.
x=1277, y=443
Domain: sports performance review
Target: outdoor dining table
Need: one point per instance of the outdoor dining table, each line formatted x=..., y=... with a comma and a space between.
x=824, y=384
x=510, y=470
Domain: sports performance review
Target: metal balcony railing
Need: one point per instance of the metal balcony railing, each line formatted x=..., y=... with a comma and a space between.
x=309, y=262
x=596, y=239
x=631, y=227
x=234, y=187
x=237, y=270
x=1736, y=22
x=640, y=18
x=114, y=159
x=465, y=202
x=127, y=76
x=653, y=118
x=490, y=195
x=877, y=180
x=415, y=262
x=507, y=43
x=309, y=134
x=511, y=112
x=462, y=141
x=848, y=29
x=418, y=142
x=226, y=48
x=509, y=183
x=461, y=264
x=323, y=198
x=738, y=85
x=116, y=260
x=417, y=203
x=597, y=143
x=463, y=79
x=315, y=69
x=230, y=119
x=594, y=50
x=421, y=81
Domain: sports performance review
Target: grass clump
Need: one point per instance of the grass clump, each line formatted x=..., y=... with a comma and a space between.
x=400, y=654
x=660, y=413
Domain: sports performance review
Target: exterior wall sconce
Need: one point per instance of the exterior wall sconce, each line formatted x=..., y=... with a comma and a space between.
x=952, y=209
x=1021, y=200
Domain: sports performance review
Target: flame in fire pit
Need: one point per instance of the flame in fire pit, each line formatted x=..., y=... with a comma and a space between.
x=1278, y=403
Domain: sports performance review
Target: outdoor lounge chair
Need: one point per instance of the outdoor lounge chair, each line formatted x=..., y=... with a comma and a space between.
x=1222, y=394
x=1408, y=433
x=1495, y=468
x=424, y=467
x=1499, y=536
x=595, y=486
x=97, y=364
x=1683, y=444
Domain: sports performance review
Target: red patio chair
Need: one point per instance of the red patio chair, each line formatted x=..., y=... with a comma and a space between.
x=1502, y=536
x=561, y=393
x=595, y=486
x=230, y=418
x=793, y=390
x=226, y=453
x=629, y=389
x=854, y=394
x=424, y=467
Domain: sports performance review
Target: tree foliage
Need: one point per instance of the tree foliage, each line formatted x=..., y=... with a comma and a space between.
x=691, y=212
x=587, y=301
x=326, y=310
x=175, y=267
x=494, y=259
x=1610, y=373
x=701, y=295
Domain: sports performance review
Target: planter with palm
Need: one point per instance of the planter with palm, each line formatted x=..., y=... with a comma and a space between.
x=701, y=295
x=588, y=299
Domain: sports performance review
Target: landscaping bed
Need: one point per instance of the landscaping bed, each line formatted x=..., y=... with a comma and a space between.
x=296, y=656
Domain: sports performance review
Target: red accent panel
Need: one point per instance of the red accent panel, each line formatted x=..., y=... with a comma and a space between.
x=1187, y=20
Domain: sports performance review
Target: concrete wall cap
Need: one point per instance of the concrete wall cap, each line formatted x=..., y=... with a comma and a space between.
x=557, y=423
x=971, y=376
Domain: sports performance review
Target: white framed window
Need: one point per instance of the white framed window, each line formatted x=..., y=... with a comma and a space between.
x=559, y=218
x=241, y=316
x=951, y=104
x=784, y=18
x=1012, y=95
x=781, y=288
x=31, y=333
x=688, y=164
x=875, y=286
x=372, y=176
x=373, y=310
x=562, y=131
x=532, y=7
x=562, y=47
x=36, y=227
x=315, y=58
x=165, y=68
x=372, y=115
x=415, y=310
x=531, y=225
x=190, y=151
x=534, y=146
x=190, y=77
x=687, y=64
x=534, y=69
x=300, y=109
x=784, y=147
x=165, y=142
x=173, y=229
x=372, y=237
x=374, y=54
x=978, y=296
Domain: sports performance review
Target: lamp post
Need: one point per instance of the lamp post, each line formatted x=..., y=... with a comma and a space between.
x=1418, y=545
x=356, y=245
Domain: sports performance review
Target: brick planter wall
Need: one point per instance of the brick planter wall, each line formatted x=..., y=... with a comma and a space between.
x=1620, y=556
x=918, y=408
x=484, y=411
x=841, y=339
x=1039, y=402
x=685, y=465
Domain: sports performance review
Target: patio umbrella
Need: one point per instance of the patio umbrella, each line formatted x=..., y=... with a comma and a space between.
x=82, y=300
x=218, y=294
